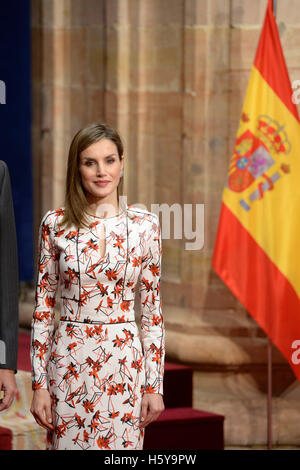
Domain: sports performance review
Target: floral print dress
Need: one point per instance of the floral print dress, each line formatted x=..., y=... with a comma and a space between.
x=97, y=363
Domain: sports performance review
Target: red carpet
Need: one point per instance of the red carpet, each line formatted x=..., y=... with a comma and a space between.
x=24, y=352
x=5, y=439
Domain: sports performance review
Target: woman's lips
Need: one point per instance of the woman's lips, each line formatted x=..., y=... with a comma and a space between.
x=101, y=183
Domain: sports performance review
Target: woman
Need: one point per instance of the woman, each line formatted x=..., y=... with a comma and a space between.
x=96, y=383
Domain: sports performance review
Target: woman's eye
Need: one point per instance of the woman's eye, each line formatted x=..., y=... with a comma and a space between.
x=111, y=160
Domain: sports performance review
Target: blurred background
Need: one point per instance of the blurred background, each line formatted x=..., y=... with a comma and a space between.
x=171, y=76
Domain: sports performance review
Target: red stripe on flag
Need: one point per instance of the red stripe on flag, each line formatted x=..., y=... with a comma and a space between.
x=270, y=61
x=256, y=281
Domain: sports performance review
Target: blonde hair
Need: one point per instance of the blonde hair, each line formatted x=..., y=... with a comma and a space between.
x=75, y=202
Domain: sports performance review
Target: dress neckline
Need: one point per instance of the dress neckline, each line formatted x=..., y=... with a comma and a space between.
x=106, y=218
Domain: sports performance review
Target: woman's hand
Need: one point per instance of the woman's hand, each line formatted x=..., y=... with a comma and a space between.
x=155, y=404
x=41, y=408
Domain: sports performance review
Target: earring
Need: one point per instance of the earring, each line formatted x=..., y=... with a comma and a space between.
x=121, y=173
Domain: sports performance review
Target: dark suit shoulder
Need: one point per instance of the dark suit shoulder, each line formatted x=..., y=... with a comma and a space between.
x=3, y=170
x=3, y=166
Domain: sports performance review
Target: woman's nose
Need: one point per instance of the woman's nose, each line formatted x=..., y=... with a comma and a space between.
x=100, y=170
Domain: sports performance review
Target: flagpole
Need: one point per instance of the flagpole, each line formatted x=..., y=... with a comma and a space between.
x=274, y=5
x=269, y=394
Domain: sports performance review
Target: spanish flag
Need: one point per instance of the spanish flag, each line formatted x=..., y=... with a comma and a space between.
x=257, y=246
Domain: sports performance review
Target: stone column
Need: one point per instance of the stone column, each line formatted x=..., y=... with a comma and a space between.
x=68, y=82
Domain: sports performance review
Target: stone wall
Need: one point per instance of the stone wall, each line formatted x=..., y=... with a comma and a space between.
x=171, y=76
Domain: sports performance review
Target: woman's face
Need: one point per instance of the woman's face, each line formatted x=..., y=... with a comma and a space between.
x=99, y=168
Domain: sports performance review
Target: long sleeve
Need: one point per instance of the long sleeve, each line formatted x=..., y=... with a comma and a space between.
x=152, y=323
x=9, y=276
x=42, y=324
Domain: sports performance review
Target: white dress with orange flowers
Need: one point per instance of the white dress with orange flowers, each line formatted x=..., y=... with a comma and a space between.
x=97, y=364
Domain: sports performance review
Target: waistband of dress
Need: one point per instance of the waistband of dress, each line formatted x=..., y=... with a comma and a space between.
x=88, y=322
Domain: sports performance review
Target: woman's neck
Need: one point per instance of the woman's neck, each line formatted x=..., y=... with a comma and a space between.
x=103, y=208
